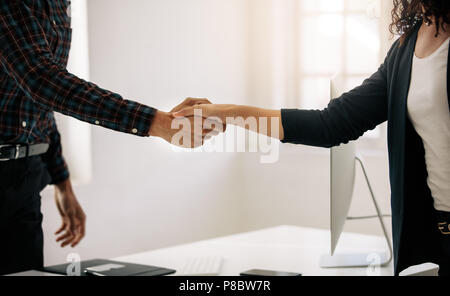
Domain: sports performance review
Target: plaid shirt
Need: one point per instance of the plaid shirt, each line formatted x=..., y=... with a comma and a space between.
x=35, y=38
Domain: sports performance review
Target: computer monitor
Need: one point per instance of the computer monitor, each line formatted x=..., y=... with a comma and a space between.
x=343, y=160
x=342, y=179
x=342, y=176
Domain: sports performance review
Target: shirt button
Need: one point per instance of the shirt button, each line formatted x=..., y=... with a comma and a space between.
x=24, y=123
x=134, y=131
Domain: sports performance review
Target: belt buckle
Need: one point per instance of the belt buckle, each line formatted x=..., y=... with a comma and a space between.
x=16, y=153
x=442, y=227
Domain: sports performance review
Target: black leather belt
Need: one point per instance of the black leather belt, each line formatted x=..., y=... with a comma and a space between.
x=12, y=152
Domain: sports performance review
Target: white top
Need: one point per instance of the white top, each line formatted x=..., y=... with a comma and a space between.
x=429, y=113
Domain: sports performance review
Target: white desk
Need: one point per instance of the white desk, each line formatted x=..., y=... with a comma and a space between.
x=284, y=248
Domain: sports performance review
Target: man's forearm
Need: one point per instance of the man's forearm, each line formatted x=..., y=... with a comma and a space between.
x=64, y=186
x=161, y=123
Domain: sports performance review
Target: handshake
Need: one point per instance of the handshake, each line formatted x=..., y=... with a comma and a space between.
x=192, y=122
x=189, y=124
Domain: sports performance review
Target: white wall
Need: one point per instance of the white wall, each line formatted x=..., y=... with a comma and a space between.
x=296, y=190
x=144, y=195
x=76, y=135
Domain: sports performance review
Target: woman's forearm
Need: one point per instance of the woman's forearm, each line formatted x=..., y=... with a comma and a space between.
x=263, y=121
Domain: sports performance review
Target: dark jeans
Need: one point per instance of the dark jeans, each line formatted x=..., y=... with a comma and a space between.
x=443, y=224
x=21, y=243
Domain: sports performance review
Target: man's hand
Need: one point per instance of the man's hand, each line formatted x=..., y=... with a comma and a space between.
x=73, y=226
x=166, y=126
x=189, y=102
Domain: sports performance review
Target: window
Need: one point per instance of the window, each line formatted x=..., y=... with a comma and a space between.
x=76, y=135
x=336, y=36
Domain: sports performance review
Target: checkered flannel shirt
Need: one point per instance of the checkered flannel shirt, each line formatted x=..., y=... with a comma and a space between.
x=35, y=37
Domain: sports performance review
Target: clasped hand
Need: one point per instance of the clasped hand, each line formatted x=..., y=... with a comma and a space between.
x=189, y=131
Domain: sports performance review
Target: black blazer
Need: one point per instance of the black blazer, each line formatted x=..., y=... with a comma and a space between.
x=382, y=97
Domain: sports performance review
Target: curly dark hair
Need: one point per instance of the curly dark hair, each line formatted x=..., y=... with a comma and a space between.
x=407, y=13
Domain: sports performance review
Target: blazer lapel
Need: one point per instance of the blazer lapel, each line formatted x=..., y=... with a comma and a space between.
x=448, y=78
x=399, y=93
x=405, y=80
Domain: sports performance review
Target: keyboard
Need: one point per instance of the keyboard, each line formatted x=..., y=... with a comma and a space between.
x=202, y=266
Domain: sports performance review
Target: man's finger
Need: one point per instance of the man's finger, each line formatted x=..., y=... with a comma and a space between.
x=185, y=112
x=74, y=223
x=60, y=229
x=198, y=101
x=67, y=241
x=64, y=236
x=204, y=132
x=190, y=102
x=82, y=228
x=213, y=133
x=214, y=123
x=197, y=110
x=66, y=223
x=78, y=237
x=83, y=225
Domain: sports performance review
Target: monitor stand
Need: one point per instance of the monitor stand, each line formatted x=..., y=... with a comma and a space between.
x=361, y=259
x=354, y=260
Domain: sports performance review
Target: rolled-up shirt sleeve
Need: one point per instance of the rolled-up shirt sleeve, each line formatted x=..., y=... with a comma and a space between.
x=54, y=159
x=26, y=57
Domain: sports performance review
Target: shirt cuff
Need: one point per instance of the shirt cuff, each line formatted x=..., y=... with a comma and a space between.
x=300, y=126
x=58, y=172
x=133, y=118
x=288, y=120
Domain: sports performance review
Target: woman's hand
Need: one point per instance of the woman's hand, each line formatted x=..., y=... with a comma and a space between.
x=73, y=226
x=164, y=124
x=212, y=111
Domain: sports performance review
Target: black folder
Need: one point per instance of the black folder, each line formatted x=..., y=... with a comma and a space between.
x=102, y=267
